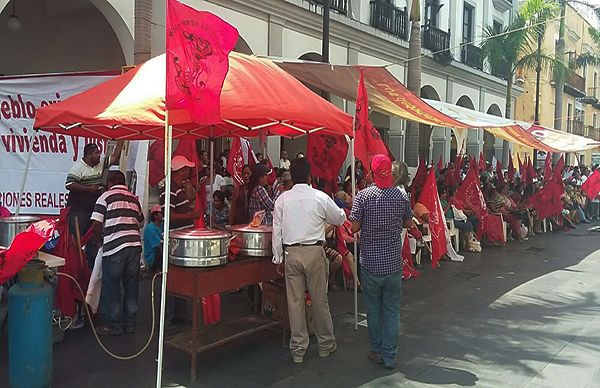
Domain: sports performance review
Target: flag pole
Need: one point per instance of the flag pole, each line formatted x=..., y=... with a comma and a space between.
x=27, y=164
x=353, y=180
x=165, y=247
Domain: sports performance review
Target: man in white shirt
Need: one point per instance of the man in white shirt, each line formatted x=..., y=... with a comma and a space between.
x=299, y=221
x=284, y=162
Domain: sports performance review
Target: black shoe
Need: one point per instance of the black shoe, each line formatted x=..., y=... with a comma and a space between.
x=129, y=329
x=105, y=330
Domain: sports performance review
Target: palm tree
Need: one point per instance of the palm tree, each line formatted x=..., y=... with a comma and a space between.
x=515, y=48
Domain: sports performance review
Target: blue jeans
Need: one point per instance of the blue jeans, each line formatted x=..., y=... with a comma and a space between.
x=382, y=295
x=121, y=268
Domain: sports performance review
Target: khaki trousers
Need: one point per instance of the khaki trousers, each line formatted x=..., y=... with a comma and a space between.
x=308, y=267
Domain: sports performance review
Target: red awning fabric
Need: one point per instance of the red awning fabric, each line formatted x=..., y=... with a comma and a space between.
x=257, y=96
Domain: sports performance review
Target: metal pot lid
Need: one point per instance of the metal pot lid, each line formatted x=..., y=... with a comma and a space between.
x=199, y=234
x=18, y=219
x=248, y=228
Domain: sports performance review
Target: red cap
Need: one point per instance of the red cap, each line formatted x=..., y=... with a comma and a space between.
x=382, y=171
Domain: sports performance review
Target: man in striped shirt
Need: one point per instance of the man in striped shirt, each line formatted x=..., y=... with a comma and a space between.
x=118, y=217
x=182, y=214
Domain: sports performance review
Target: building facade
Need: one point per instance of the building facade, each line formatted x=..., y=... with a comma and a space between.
x=581, y=97
x=99, y=34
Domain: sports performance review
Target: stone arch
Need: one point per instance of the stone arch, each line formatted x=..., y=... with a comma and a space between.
x=98, y=38
x=466, y=102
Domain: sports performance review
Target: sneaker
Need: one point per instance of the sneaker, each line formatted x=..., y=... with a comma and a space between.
x=375, y=357
x=328, y=352
x=105, y=330
x=297, y=359
x=77, y=322
x=129, y=329
x=389, y=366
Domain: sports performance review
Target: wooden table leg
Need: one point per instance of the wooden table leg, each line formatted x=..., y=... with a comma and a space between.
x=194, y=339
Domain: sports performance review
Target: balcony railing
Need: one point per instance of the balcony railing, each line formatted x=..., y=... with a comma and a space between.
x=500, y=70
x=471, y=55
x=591, y=96
x=574, y=84
x=388, y=18
x=438, y=41
x=339, y=6
x=575, y=127
x=588, y=131
x=594, y=133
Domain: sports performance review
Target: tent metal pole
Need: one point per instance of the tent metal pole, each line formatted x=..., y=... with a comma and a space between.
x=212, y=176
x=24, y=181
x=165, y=247
x=353, y=178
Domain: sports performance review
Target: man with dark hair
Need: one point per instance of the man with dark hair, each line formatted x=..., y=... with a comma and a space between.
x=84, y=183
x=118, y=218
x=299, y=221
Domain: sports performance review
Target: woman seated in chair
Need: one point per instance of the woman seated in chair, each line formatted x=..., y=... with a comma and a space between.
x=461, y=222
x=497, y=204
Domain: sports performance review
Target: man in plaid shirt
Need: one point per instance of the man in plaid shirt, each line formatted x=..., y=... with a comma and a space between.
x=380, y=212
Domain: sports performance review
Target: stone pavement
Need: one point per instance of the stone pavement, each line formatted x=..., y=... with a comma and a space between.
x=524, y=315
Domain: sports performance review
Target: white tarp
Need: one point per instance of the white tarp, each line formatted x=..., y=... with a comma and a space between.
x=52, y=154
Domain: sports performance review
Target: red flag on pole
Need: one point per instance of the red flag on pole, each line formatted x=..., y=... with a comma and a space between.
x=591, y=187
x=197, y=46
x=367, y=141
x=499, y=173
x=522, y=171
x=235, y=162
x=558, y=170
x=417, y=181
x=460, y=161
x=408, y=266
x=547, y=201
x=530, y=172
x=440, y=164
x=481, y=162
x=548, y=167
x=511, y=168
x=326, y=154
x=429, y=198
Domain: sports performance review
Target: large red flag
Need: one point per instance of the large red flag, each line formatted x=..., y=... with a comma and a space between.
x=197, y=45
x=547, y=201
x=367, y=141
x=156, y=162
x=511, y=168
x=471, y=196
x=458, y=166
x=591, y=187
x=440, y=164
x=429, y=198
x=235, y=162
x=548, y=167
x=326, y=154
x=558, y=170
x=417, y=181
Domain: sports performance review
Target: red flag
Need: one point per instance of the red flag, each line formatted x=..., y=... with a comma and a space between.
x=547, y=201
x=499, y=173
x=367, y=141
x=450, y=177
x=326, y=154
x=591, y=187
x=530, y=172
x=417, y=181
x=156, y=162
x=470, y=194
x=511, y=168
x=481, y=162
x=522, y=171
x=235, y=162
x=548, y=167
x=429, y=198
x=408, y=266
x=440, y=164
x=197, y=45
x=460, y=161
x=558, y=171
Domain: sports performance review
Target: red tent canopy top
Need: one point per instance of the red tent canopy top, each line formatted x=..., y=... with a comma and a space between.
x=257, y=96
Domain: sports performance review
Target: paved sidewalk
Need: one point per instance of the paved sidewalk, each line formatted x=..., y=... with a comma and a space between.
x=524, y=315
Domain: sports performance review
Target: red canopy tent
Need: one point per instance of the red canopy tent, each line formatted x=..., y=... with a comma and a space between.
x=257, y=95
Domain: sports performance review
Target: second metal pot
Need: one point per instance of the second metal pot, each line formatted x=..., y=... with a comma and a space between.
x=253, y=241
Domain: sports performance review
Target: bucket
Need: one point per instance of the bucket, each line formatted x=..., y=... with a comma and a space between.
x=13, y=225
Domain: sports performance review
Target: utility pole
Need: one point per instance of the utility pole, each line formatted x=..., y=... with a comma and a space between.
x=325, y=48
x=411, y=139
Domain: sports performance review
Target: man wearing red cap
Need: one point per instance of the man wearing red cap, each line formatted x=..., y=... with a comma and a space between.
x=380, y=212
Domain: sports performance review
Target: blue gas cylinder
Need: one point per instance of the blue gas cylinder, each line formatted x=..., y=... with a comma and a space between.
x=30, y=329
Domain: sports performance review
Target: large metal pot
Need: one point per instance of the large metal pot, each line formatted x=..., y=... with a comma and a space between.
x=198, y=247
x=253, y=241
x=11, y=226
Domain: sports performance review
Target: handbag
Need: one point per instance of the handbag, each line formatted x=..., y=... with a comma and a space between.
x=459, y=215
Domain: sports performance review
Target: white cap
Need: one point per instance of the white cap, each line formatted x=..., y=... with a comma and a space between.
x=180, y=162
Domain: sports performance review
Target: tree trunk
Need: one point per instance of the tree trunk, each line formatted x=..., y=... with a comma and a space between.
x=559, y=84
x=411, y=142
x=508, y=115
